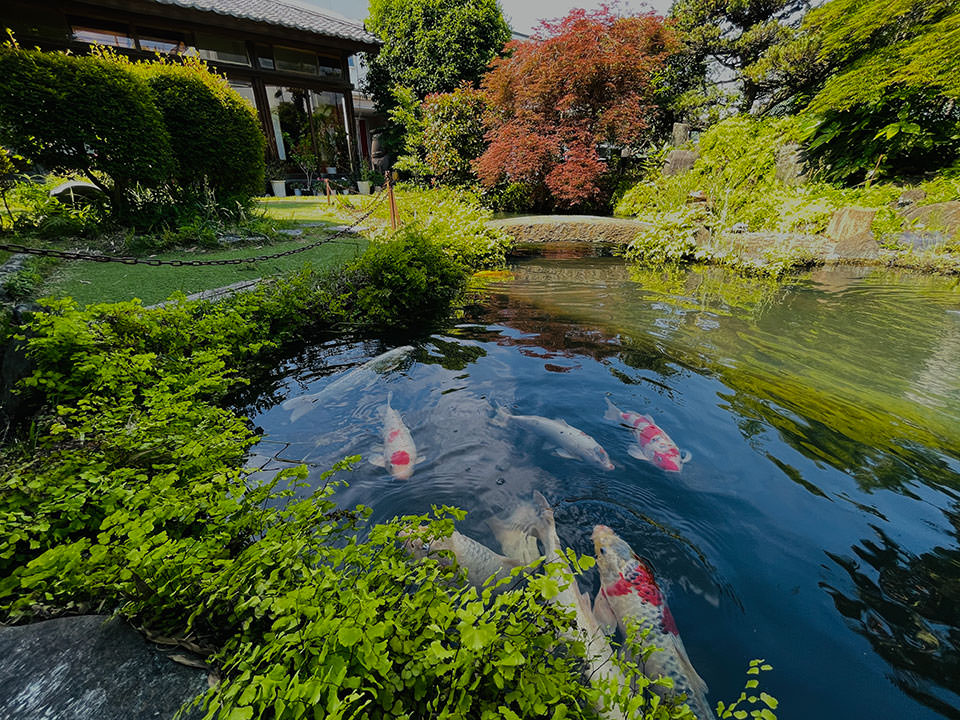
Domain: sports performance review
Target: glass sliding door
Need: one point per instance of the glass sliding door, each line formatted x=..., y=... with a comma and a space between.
x=310, y=129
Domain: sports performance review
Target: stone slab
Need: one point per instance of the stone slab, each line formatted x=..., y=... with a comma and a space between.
x=679, y=162
x=850, y=222
x=572, y=228
x=944, y=216
x=91, y=668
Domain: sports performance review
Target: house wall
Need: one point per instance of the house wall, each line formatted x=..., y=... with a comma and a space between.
x=270, y=76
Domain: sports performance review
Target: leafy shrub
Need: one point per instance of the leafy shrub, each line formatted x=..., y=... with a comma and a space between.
x=88, y=115
x=215, y=135
x=47, y=217
x=404, y=280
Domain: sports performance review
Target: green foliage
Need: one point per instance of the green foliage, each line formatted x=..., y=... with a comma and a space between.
x=83, y=114
x=214, y=134
x=431, y=46
x=883, y=89
x=405, y=280
x=443, y=135
x=156, y=136
x=44, y=216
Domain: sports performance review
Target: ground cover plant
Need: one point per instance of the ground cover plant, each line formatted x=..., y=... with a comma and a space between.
x=127, y=494
x=736, y=173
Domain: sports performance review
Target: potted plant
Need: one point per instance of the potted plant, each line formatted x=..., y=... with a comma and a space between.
x=276, y=173
x=366, y=178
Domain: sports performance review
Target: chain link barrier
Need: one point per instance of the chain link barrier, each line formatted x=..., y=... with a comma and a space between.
x=128, y=260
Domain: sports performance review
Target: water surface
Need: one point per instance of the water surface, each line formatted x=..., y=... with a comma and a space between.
x=818, y=523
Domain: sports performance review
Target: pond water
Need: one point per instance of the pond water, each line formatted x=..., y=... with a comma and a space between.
x=817, y=524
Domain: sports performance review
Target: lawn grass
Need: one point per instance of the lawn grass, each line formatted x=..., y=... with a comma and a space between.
x=89, y=282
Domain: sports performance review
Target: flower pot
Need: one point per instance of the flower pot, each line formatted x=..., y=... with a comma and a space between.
x=331, y=170
x=363, y=186
x=279, y=188
x=298, y=192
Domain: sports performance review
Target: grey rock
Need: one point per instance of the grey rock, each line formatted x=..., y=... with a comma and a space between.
x=680, y=161
x=291, y=233
x=790, y=168
x=856, y=247
x=910, y=197
x=698, y=197
x=850, y=222
x=740, y=227
x=680, y=134
x=921, y=240
x=563, y=228
x=90, y=668
x=944, y=216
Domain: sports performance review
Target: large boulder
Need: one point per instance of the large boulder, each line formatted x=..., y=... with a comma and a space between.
x=942, y=216
x=790, y=168
x=91, y=668
x=679, y=162
x=680, y=134
x=850, y=229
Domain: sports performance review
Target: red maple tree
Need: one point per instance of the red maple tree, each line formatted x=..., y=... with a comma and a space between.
x=582, y=80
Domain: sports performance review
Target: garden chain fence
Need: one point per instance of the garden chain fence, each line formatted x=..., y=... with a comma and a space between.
x=127, y=260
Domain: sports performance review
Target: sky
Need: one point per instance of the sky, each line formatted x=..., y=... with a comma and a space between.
x=523, y=15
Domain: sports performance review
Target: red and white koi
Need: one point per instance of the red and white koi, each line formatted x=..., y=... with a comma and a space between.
x=398, y=453
x=629, y=591
x=653, y=444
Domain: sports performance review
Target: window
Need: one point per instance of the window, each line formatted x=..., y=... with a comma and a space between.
x=330, y=67
x=265, y=57
x=295, y=61
x=96, y=32
x=223, y=50
x=163, y=41
x=245, y=90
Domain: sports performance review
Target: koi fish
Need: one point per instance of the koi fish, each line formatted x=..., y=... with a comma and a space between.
x=653, y=444
x=398, y=454
x=599, y=654
x=571, y=443
x=513, y=533
x=359, y=376
x=477, y=559
x=628, y=591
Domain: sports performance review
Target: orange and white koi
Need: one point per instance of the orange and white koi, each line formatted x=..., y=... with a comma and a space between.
x=629, y=592
x=653, y=444
x=398, y=453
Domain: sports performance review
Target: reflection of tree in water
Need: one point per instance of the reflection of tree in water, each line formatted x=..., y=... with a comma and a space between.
x=908, y=607
x=452, y=355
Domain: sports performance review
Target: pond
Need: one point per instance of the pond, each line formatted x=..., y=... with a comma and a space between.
x=817, y=523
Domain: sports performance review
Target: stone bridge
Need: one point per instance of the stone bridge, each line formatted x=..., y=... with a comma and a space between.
x=570, y=228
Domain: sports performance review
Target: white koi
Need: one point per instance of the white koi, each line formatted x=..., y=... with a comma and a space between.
x=359, y=376
x=398, y=453
x=477, y=559
x=571, y=443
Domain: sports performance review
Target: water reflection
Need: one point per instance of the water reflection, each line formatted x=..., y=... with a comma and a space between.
x=824, y=421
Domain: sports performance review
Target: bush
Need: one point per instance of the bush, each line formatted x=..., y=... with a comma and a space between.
x=404, y=280
x=85, y=115
x=215, y=135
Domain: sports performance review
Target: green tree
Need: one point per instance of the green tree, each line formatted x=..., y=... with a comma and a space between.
x=724, y=39
x=431, y=46
x=878, y=83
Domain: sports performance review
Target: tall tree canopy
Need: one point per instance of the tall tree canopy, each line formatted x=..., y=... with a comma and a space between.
x=879, y=82
x=432, y=46
x=734, y=34
x=583, y=80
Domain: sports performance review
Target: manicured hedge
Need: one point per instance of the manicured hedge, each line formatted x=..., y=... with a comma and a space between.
x=167, y=128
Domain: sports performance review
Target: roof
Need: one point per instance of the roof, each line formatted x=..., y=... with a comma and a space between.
x=283, y=14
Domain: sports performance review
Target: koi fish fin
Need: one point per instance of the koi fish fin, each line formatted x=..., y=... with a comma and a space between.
x=546, y=528
x=604, y=614
x=612, y=413
x=513, y=533
x=560, y=452
x=376, y=456
x=635, y=451
x=685, y=457
x=697, y=684
x=502, y=417
x=649, y=419
x=420, y=459
x=299, y=406
x=389, y=399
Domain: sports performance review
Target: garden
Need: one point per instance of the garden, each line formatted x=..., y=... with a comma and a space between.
x=132, y=411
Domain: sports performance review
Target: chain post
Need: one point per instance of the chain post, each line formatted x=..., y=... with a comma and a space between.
x=327, y=191
x=393, y=201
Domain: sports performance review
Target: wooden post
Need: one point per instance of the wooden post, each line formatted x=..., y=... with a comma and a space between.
x=326, y=184
x=393, y=201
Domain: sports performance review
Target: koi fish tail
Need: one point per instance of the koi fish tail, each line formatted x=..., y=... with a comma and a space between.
x=612, y=413
x=514, y=533
x=298, y=406
x=502, y=417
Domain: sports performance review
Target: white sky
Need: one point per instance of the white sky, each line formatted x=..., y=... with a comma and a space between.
x=523, y=15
